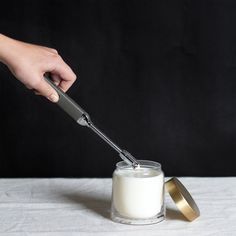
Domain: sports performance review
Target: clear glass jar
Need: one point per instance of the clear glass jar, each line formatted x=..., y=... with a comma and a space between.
x=138, y=194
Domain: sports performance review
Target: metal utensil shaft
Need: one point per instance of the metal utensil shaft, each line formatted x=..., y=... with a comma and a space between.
x=126, y=156
x=82, y=118
x=104, y=137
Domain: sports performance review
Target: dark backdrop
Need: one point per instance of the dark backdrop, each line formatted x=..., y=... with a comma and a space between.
x=158, y=77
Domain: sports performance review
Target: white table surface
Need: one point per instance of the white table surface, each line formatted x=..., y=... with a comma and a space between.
x=57, y=207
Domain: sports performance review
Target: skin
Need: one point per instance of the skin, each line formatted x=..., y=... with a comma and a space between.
x=29, y=62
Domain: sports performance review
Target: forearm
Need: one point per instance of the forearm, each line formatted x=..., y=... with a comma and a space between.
x=5, y=44
x=2, y=45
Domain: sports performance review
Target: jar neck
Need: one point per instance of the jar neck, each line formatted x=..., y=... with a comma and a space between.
x=143, y=164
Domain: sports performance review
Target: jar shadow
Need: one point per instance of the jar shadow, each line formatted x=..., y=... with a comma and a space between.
x=173, y=214
x=101, y=206
x=98, y=205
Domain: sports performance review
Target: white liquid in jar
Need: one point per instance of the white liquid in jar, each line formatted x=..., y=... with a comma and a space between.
x=138, y=193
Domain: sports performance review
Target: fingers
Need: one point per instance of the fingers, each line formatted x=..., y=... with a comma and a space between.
x=29, y=62
x=63, y=73
x=56, y=79
x=44, y=89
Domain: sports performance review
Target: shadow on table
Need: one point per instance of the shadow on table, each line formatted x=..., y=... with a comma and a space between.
x=98, y=205
x=102, y=206
x=173, y=214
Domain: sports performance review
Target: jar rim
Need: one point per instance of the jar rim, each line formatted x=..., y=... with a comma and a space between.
x=143, y=163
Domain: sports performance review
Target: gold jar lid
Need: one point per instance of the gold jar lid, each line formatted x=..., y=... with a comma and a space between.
x=182, y=199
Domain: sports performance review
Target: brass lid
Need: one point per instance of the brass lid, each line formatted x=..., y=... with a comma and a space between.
x=182, y=199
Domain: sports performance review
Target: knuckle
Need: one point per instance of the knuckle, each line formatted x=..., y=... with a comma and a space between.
x=54, y=50
x=56, y=57
x=51, y=50
x=59, y=57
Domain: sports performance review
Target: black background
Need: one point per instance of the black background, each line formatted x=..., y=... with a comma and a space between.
x=158, y=77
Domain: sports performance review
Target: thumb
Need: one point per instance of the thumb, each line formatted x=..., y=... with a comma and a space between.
x=44, y=89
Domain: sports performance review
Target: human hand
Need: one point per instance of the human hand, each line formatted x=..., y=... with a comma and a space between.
x=29, y=62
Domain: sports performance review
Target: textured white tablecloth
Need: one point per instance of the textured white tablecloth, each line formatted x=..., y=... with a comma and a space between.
x=68, y=207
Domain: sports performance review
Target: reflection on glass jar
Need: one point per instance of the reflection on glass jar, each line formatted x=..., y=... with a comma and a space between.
x=138, y=194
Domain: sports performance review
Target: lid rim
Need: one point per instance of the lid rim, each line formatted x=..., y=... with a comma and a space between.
x=179, y=194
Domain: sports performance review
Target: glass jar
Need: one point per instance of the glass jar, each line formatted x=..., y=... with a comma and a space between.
x=138, y=194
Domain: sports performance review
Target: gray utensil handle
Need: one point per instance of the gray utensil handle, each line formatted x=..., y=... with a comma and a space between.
x=67, y=104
